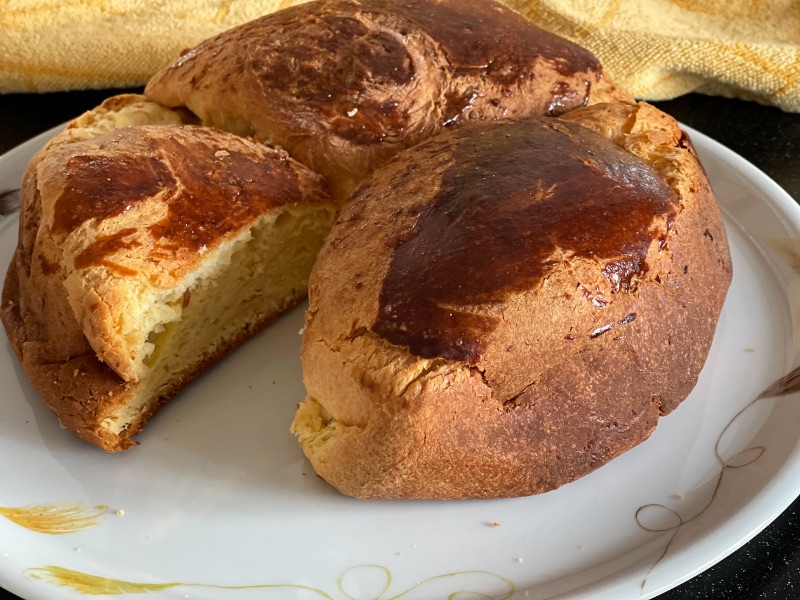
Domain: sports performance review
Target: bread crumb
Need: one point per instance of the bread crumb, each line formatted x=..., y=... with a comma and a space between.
x=749, y=349
x=120, y=512
x=302, y=330
x=352, y=112
x=494, y=524
x=221, y=153
x=75, y=372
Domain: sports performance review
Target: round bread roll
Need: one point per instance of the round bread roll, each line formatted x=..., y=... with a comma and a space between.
x=343, y=85
x=148, y=249
x=508, y=306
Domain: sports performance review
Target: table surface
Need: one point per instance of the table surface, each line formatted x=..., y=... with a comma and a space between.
x=769, y=565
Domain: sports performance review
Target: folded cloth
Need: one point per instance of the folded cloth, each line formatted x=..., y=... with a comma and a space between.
x=657, y=49
x=54, y=45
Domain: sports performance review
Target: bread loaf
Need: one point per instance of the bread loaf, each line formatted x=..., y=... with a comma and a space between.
x=142, y=211
x=343, y=85
x=507, y=301
x=506, y=307
x=147, y=252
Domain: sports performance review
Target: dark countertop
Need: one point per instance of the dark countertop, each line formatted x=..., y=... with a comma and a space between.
x=769, y=565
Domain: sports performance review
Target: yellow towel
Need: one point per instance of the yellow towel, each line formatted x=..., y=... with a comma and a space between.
x=658, y=49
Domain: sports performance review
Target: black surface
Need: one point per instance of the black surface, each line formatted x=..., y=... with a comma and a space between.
x=767, y=567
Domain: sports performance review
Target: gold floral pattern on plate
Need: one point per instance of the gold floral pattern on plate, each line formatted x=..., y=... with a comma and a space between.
x=375, y=580
x=55, y=518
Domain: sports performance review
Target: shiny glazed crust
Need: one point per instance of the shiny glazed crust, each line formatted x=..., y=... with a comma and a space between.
x=579, y=348
x=343, y=85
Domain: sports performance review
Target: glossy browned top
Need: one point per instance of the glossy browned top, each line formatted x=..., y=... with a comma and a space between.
x=221, y=189
x=213, y=183
x=331, y=58
x=516, y=196
x=329, y=62
x=99, y=186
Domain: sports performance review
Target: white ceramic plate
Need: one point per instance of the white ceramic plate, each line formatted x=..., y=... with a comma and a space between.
x=218, y=501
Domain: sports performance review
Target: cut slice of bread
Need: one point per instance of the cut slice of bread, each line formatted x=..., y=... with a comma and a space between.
x=146, y=253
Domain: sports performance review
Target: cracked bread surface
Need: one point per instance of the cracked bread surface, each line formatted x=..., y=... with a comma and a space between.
x=507, y=307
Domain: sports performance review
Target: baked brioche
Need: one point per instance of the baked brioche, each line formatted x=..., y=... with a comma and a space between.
x=146, y=253
x=499, y=310
x=343, y=85
x=506, y=307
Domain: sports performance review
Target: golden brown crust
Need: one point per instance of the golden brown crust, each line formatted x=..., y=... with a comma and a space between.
x=343, y=85
x=578, y=360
